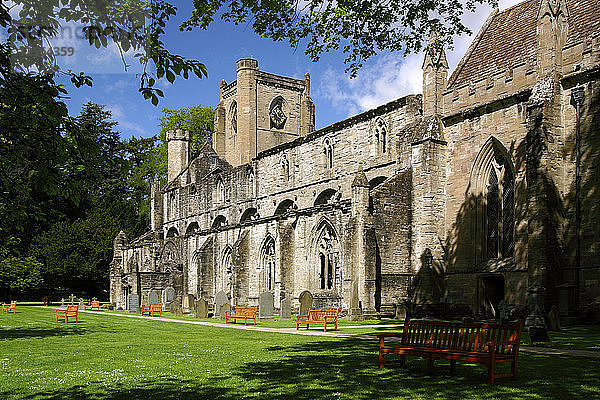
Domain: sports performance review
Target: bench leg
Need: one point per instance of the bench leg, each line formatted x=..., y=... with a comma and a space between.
x=403, y=360
x=491, y=372
x=430, y=364
x=452, y=366
x=513, y=368
x=381, y=360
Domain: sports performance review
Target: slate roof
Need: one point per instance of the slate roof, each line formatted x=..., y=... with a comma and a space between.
x=508, y=39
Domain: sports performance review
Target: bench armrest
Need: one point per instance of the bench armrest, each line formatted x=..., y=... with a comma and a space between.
x=301, y=316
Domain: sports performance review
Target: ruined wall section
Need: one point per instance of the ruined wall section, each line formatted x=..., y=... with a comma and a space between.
x=392, y=218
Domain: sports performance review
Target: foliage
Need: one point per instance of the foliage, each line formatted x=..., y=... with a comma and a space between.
x=360, y=28
x=20, y=274
x=114, y=357
x=123, y=23
x=34, y=189
x=77, y=254
x=197, y=119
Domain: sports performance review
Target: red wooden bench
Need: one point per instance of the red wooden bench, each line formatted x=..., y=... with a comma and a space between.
x=487, y=344
x=244, y=313
x=153, y=310
x=318, y=317
x=69, y=313
x=9, y=308
x=92, y=305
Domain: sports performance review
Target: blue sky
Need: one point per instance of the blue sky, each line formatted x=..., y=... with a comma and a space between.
x=382, y=79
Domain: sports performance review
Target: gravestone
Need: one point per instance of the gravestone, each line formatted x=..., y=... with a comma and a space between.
x=175, y=307
x=306, y=301
x=400, y=312
x=169, y=295
x=265, y=305
x=224, y=307
x=132, y=304
x=553, y=319
x=201, y=308
x=153, y=297
x=538, y=334
x=285, y=312
x=220, y=299
x=191, y=300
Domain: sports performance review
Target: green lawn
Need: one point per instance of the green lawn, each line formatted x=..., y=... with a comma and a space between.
x=108, y=357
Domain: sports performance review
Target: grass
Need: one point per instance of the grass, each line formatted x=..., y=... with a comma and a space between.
x=109, y=357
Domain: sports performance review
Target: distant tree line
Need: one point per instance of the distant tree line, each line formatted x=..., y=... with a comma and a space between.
x=68, y=186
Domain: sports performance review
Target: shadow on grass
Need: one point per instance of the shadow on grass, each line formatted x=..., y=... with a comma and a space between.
x=63, y=330
x=348, y=369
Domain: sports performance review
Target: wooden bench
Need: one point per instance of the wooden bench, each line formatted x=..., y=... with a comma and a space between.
x=318, y=317
x=487, y=344
x=10, y=308
x=69, y=313
x=244, y=313
x=92, y=305
x=153, y=310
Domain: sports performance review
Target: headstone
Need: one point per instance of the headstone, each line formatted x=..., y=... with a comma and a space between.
x=400, y=312
x=189, y=302
x=220, y=299
x=285, y=312
x=265, y=305
x=306, y=301
x=538, y=334
x=223, y=308
x=554, y=319
x=169, y=295
x=175, y=307
x=132, y=302
x=201, y=308
x=153, y=296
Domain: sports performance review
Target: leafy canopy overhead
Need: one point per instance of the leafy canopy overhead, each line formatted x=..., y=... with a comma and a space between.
x=360, y=28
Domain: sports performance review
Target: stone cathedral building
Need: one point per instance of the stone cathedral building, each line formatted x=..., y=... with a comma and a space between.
x=459, y=200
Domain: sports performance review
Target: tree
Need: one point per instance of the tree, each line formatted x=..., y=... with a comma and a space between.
x=19, y=275
x=360, y=28
x=77, y=254
x=197, y=119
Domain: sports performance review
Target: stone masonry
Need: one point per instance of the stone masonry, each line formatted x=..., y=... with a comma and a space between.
x=460, y=200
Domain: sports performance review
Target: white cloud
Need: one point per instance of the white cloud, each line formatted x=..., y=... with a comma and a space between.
x=390, y=76
x=118, y=114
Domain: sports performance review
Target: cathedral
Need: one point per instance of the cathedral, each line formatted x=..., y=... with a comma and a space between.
x=479, y=197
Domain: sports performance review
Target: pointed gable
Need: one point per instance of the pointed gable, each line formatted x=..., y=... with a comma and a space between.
x=508, y=39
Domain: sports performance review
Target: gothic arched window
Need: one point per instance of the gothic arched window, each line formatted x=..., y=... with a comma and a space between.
x=493, y=181
x=233, y=116
x=220, y=191
x=500, y=213
x=328, y=154
x=267, y=263
x=327, y=251
x=381, y=135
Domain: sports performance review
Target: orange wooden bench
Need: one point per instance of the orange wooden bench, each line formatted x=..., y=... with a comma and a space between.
x=244, y=313
x=69, y=313
x=318, y=317
x=9, y=308
x=487, y=344
x=92, y=305
x=153, y=310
